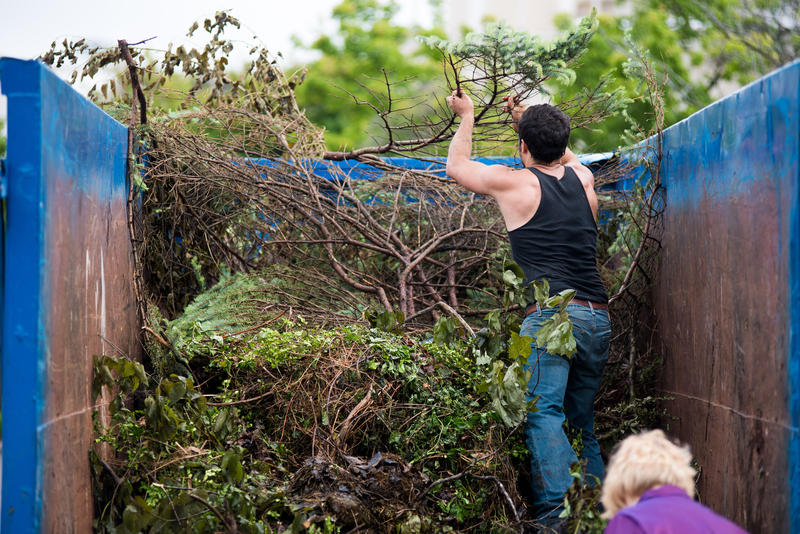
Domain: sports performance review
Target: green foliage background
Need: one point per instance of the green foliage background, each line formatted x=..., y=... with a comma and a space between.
x=606, y=57
x=367, y=45
x=700, y=49
x=733, y=40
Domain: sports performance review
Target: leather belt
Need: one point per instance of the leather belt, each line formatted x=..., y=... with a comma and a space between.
x=596, y=305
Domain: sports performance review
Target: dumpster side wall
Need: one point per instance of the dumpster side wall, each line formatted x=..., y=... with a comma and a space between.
x=73, y=177
x=725, y=301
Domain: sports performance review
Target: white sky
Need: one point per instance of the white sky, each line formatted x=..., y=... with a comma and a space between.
x=27, y=27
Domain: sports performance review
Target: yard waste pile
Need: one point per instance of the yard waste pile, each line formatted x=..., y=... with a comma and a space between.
x=251, y=418
x=329, y=354
x=294, y=427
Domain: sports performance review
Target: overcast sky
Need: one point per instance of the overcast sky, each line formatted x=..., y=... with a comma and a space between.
x=27, y=27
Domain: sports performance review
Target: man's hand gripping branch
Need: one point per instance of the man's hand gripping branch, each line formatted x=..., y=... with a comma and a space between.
x=475, y=176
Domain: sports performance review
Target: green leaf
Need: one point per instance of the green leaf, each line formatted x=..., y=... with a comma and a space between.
x=541, y=291
x=519, y=348
x=510, y=278
x=483, y=360
x=129, y=516
x=445, y=331
x=493, y=321
x=516, y=269
x=232, y=465
x=219, y=422
x=556, y=335
x=543, y=333
x=176, y=391
x=562, y=299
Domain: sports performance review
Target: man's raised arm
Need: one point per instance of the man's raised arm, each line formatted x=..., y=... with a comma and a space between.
x=474, y=175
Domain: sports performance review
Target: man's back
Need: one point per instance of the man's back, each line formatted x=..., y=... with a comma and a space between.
x=559, y=241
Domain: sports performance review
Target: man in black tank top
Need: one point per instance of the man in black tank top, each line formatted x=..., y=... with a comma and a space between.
x=549, y=208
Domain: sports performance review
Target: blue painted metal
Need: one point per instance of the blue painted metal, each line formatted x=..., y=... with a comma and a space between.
x=793, y=324
x=793, y=369
x=435, y=165
x=2, y=178
x=67, y=291
x=356, y=170
x=24, y=344
x=728, y=298
x=2, y=264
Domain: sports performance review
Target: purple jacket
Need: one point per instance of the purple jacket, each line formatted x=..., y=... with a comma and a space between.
x=669, y=510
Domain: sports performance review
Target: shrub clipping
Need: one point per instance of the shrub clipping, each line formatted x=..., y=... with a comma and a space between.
x=339, y=351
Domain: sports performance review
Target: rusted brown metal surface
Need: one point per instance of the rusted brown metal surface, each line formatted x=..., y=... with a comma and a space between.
x=87, y=300
x=721, y=305
x=728, y=299
x=92, y=312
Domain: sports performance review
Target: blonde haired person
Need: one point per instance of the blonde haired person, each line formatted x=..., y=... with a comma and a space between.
x=649, y=489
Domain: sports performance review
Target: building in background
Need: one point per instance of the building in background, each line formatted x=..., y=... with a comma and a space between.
x=534, y=16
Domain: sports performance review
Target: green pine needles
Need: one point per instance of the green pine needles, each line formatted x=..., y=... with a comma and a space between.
x=501, y=52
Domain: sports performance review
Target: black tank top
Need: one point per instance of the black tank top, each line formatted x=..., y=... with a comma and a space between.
x=559, y=243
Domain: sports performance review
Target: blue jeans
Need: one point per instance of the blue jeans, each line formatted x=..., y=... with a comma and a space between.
x=570, y=384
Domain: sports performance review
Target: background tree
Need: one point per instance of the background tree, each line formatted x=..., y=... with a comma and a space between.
x=696, y=46
x=606, y=56
x=735, y=40
x=701, y=50
x=367, y=49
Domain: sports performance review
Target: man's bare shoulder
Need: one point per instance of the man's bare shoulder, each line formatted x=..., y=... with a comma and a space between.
x=516, y=178
x=505, y=169
x=583, y=172
x=484, y=179
x=502, y=178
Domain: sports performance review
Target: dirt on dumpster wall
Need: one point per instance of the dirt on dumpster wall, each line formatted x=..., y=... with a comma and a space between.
x=722, y=308
x=92, y=311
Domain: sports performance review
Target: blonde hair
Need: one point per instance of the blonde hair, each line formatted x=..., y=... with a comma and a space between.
x=641, y=462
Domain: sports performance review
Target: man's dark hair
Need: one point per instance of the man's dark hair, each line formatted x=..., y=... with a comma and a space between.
x=545, y=131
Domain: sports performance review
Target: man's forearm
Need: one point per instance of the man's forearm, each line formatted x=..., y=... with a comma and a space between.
x=461, y=144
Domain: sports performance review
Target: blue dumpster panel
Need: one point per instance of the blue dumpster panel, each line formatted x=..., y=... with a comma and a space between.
x=69, y=293
x=24, y=345
x=727, y=298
